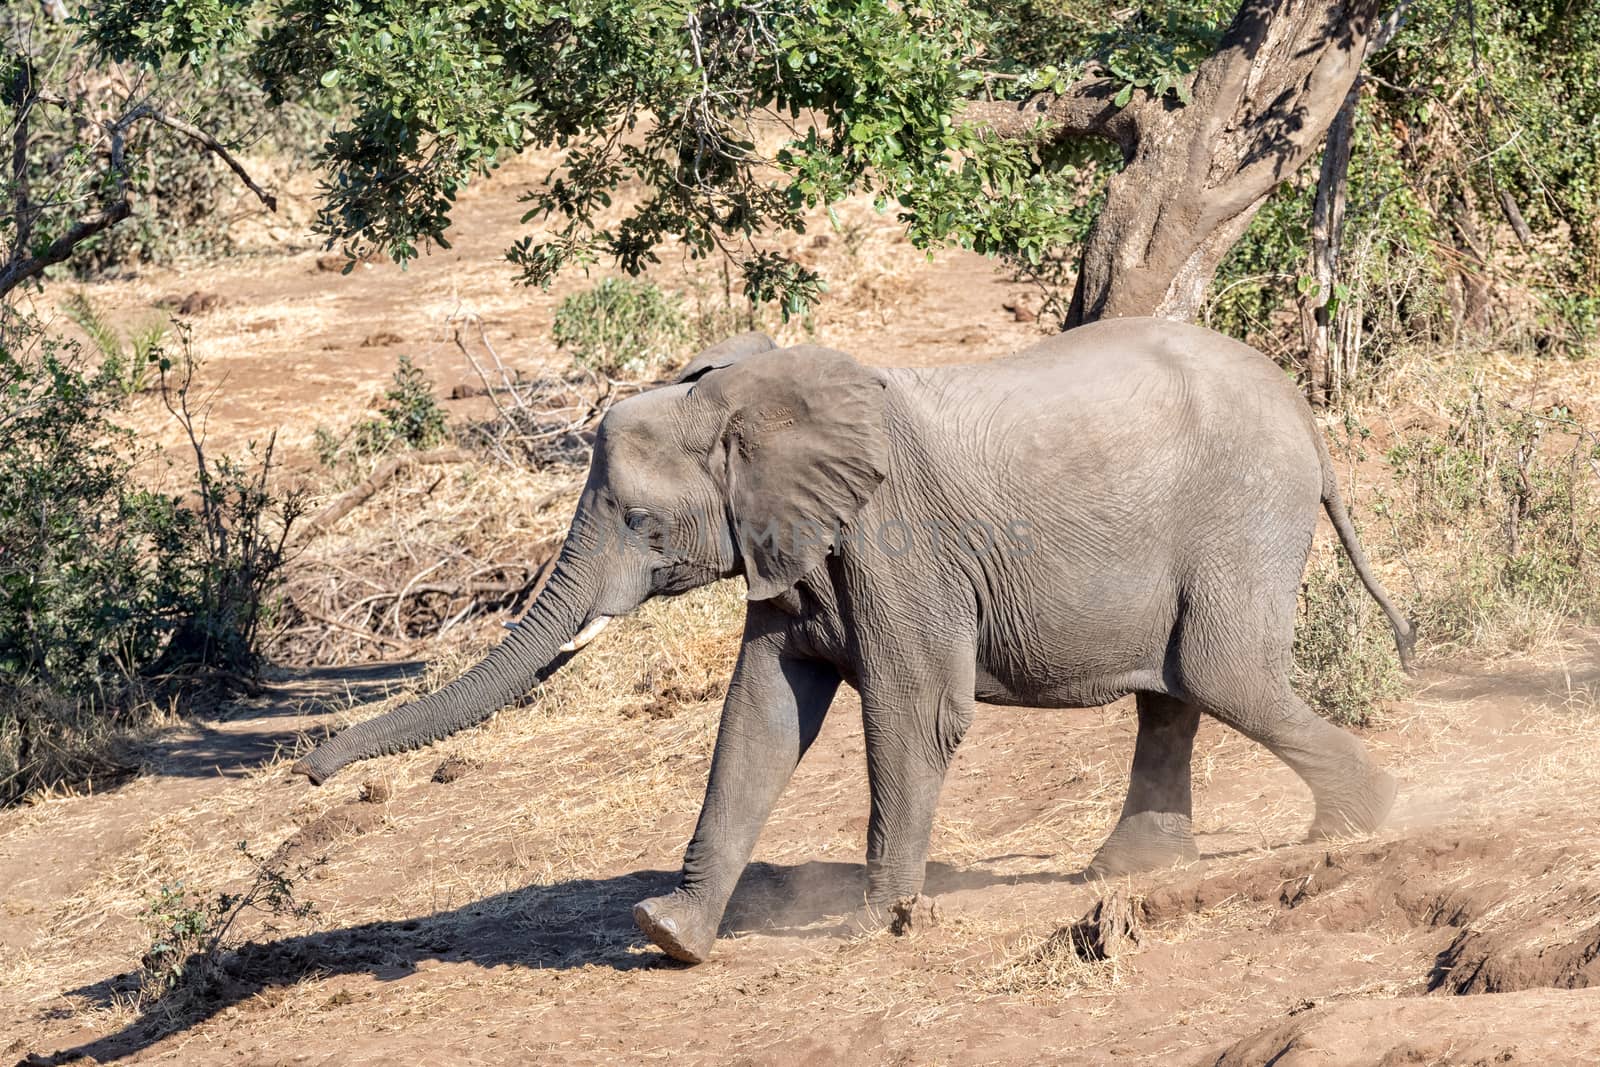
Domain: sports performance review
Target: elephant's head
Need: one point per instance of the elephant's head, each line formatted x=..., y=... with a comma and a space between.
x=748, y=464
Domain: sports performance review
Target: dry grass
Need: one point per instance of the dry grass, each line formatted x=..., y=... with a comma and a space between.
x=1057, y=966
x=462, y=527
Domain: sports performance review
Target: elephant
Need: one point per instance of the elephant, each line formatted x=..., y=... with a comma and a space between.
x=1124, y=508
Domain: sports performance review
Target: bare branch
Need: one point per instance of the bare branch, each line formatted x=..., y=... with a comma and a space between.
x=23, y=267
x=210, y=143
x=20, y=266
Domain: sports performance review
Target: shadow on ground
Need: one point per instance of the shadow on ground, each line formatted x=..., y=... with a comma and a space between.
x=583, y=922
x=1575, y=685
x=252, y=733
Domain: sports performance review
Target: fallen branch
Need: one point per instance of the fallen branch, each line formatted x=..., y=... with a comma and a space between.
x=347, y=628
x=348, y=501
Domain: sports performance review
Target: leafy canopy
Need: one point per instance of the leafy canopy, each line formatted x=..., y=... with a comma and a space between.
x=734, y=117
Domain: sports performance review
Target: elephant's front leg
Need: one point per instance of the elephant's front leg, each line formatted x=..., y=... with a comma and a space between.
x=774, y=709
x=913, y=722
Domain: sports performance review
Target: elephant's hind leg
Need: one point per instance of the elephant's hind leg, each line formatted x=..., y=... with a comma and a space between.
x=1234, y=655
x=1154, y=830
x=1352, y=794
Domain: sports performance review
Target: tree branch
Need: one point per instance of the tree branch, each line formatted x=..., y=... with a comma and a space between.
x=21, y=97
x=20, y=266
x=1084, y=110
x=21, y=269
x=1291, y=127
x=205, y=140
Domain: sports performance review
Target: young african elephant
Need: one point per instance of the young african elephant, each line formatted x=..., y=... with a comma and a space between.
x=1124, y=508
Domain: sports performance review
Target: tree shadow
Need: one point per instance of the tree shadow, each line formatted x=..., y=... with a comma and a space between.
x=1575, y=685
x=579, y=923
x=248, y=734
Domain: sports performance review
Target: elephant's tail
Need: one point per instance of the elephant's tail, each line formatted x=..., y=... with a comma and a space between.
x=1405, y=630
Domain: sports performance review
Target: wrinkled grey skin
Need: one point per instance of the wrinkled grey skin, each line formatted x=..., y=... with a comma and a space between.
x=1167, y=479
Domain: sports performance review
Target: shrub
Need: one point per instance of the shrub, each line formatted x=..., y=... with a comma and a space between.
x=621, y=328
x=1345, y=662
x=410, y=414
x=1504, y=511
x=219, y=556
x=189, y=930
x=72, y=585
x=112, y=595
x=409, y=417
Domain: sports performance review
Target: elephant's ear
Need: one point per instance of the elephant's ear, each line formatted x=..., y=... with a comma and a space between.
x=805, y=447
x=725, y=354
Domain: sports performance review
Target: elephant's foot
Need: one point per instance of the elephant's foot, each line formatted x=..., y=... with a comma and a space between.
x=1355, y=811
x=900, y=916
x=1145, y=841
x=678, y=926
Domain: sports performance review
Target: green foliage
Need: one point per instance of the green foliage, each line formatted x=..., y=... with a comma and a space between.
x=189, y=930
x=73, y=113
x=409, y=417
x=739, y=119
x=1466, y=107
x=1160, y=47
x=621, y=328
x=111, y=593
x=75, y=611
x=678, y=97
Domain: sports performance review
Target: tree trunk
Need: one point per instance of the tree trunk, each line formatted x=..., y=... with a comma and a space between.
x=1327, y=230
x=1196, y=174
x=1325, y=371
x=1202, y=171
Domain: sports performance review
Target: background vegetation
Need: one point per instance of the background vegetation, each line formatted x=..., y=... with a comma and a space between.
x=116, y=598
x=1472, y=224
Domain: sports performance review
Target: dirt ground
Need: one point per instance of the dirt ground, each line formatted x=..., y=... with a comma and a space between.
x=484, y=919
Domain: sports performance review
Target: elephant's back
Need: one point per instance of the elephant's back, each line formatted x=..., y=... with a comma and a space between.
x=1146, y=423
x=1143, y=383
x=1137, y=361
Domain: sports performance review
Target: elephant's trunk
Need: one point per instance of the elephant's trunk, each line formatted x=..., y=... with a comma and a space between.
x=536, y=648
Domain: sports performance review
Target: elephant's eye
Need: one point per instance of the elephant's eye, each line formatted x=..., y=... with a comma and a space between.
x=638, y=519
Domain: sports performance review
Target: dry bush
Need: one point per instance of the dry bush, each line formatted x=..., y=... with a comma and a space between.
x=1499, y=516
x=1345, y=664
x=1484, y=516
x=50, y=743
x=193, y=933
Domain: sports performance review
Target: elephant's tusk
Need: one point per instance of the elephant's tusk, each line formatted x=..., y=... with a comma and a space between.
x=590, y=631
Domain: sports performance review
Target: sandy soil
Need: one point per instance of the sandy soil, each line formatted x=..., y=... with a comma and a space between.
x=485, y=919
